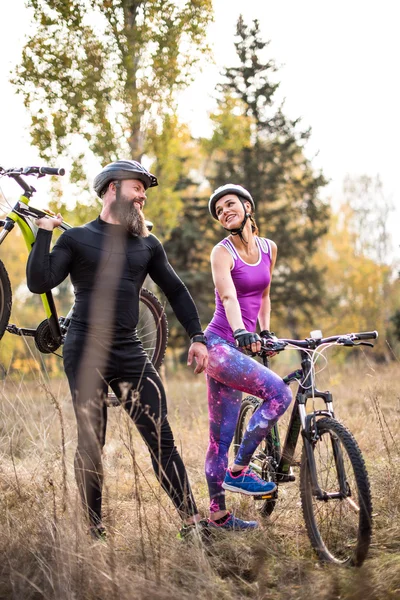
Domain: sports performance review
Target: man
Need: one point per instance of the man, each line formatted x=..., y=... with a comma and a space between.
x=108, y=260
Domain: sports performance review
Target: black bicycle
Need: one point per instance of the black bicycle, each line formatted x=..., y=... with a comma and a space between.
x=334, y=484
x=49, y=334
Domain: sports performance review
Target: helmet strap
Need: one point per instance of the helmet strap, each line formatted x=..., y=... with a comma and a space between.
x=239, y=231
x=117, y=190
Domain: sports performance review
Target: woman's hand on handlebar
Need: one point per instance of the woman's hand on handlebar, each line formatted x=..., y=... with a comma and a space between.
x=248, y=340
x=268, y=338
x=49, y=223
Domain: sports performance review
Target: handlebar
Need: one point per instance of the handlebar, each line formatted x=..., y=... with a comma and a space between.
x=39, y=171
x=347, y=339
x=17, y=173
x=51, y=171
x=366, y=335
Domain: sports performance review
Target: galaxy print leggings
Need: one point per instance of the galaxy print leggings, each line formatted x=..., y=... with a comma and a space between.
x=229, y=373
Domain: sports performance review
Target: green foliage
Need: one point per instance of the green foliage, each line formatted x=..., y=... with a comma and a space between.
x=99, y=76
x=177, y=155
x=97, y=69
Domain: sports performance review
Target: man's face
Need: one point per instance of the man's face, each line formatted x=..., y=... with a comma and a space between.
x=132, y=191
x=128, y=207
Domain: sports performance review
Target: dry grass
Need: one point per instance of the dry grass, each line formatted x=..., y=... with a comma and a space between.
x=45, y=551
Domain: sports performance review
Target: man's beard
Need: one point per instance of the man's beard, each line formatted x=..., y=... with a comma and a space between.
x=128, y=215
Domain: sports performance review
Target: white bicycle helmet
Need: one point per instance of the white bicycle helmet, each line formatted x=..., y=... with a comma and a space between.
x=229, y=188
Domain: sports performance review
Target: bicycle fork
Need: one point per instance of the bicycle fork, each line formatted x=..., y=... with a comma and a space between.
x=310, y=439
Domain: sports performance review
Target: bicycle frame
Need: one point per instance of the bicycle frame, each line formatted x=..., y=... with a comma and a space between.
x=54, y=327
x=301, y=421
x=19, y=215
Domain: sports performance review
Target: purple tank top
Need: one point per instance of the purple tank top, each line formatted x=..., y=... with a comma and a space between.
x=250, y=282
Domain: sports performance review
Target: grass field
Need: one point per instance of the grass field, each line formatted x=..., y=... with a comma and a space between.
x=45, y=551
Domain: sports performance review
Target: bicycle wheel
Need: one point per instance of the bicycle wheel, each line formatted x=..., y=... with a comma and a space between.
x=5, y=299
x=266, y=458
x=152, y=327
x=340, y=525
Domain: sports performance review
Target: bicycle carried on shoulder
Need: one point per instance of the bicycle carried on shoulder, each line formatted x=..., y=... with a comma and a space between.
x=334, y=485
x=49, y=335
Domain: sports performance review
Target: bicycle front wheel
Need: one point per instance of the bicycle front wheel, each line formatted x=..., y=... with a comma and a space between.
x=339, y=523
x=152, y=327
x=5, y=299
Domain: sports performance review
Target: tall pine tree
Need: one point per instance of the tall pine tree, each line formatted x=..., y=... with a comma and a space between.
x=254, y=144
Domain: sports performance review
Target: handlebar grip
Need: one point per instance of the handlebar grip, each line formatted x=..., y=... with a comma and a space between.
x=51, y=171
x=367, y=335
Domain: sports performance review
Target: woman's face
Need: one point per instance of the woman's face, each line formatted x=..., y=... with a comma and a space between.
x=229, y=210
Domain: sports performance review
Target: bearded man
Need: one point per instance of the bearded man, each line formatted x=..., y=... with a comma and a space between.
x=108, y=260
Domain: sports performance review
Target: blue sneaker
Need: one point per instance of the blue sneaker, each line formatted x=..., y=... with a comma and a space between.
x=247, y=482
x=233, y=523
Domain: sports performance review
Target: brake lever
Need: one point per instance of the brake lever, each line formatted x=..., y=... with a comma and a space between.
x=351, y=343
x=273, y=345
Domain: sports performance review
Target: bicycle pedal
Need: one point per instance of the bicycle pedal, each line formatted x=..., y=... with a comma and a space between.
x=271, y=496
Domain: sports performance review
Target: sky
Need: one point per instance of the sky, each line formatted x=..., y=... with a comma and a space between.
x=338, y=71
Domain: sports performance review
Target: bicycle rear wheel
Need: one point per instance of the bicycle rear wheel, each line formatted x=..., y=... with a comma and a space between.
x=266, y=458
x=340, y=525
x=152, y=327
x=5, y=299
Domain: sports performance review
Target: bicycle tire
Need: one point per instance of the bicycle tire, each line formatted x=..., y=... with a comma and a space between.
x=266, y=456
x=5, y=299
x=339, y=529
x=152, y=327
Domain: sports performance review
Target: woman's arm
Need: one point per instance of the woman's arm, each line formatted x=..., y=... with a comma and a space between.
x=265, y=308
x=221, y=264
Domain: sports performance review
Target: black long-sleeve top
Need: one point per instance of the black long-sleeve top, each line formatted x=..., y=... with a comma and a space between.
x=105, y=262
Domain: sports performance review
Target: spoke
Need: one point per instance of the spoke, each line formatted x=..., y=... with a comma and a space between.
x=337, y=518
x=145, y=335
x=147, y=330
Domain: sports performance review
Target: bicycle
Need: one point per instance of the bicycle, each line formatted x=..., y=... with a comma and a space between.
x=50, y=333
x=334, y=485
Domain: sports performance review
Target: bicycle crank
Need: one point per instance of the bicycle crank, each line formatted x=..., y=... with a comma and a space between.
x=44, y=339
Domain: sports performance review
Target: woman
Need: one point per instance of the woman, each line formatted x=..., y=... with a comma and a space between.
x=242, y=266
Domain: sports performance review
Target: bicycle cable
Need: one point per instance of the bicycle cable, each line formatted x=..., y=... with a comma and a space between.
x=314, y=355
x=6, y=205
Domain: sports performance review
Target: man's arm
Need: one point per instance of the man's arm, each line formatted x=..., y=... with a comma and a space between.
x=45, y=270
x=175, y=290
x=181, y=302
